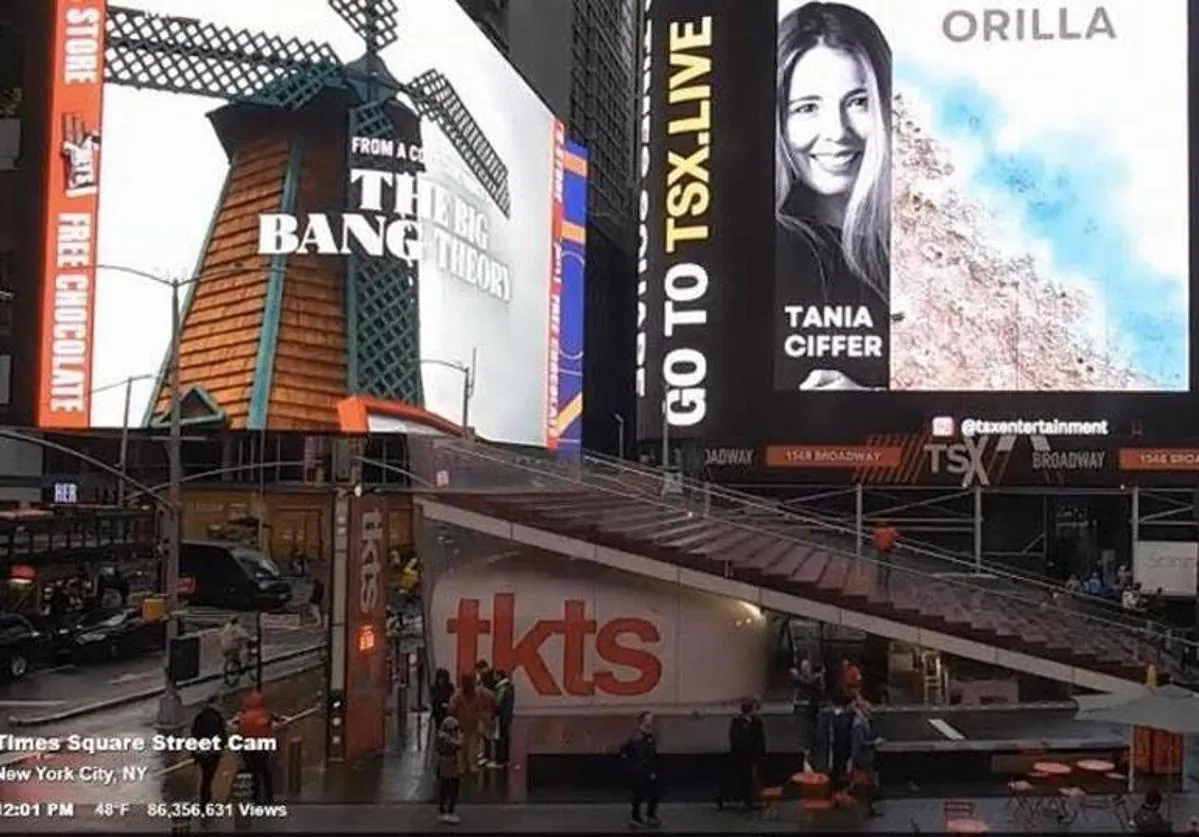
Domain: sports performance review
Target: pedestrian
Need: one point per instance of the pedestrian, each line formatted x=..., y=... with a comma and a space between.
x=485, y=676
x=485, y=679
x=315, y=600
x=862, y=750
x=449, y=775
x=809, y=687
x=747, y=746
x=842, y=744
x=440, y=695
x=505, y=708
x=1149, y=819
x=473, y=707
x=640, y=756
x=256, y=722
x=209, y=724
x=298, y=569
x=851, y=680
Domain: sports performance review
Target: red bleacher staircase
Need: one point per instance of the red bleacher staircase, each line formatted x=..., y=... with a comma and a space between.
x=637, y=512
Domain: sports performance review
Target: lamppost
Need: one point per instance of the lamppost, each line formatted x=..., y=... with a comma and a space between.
x=124, y=454
x=619, y=435
x=468, y=382
x=170, y=706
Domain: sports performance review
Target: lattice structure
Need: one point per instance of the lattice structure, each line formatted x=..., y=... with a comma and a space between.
x=182, y=55
x=436, y=99
x=385, y=303
x=375, y=21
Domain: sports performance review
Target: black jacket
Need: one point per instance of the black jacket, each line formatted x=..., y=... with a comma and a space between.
x=815, y=273
x=640, y=755
x=505, y=700
x=1150, y=821
x=208, y=723
x=747, y=737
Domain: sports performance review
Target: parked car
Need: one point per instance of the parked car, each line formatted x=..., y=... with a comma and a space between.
x=112, y=634
x=22, y=647
x=231, y=575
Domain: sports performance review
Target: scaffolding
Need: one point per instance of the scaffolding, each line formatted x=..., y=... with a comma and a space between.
x=954, y=521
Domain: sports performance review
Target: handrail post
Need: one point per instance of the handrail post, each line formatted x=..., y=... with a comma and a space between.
x=978, y=528
x=1135, y=527
x=858, y=515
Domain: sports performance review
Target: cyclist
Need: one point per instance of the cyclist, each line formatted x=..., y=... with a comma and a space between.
x=234, y=642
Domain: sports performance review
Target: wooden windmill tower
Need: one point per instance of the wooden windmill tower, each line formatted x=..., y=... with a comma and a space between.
x=281, y=340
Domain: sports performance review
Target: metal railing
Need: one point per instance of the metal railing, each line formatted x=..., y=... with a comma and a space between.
x=916, y=555
x=463, y=465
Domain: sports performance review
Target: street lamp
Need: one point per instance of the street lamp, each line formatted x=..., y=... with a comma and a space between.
x=124, y=454
x=170, y=706
x=468, y=382
x=619, y=435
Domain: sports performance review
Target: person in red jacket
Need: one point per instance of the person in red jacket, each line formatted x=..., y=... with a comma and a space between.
x=256, y=722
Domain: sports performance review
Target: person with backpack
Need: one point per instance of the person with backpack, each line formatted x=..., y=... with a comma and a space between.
x=640, y=757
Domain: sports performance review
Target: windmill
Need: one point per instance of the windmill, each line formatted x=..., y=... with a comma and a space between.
x=290, y=337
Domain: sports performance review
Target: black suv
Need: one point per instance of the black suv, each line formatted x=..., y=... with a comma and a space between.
x=22, y=647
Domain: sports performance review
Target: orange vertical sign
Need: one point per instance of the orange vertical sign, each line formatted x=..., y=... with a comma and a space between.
x=72, y=202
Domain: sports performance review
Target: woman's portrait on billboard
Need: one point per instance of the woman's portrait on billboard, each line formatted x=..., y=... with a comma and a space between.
x=833, y=198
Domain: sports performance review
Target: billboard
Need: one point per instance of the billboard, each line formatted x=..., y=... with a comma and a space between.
x=908, y=211
x=367, y=225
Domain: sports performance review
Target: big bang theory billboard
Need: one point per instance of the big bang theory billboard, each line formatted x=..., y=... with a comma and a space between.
x=383, y=239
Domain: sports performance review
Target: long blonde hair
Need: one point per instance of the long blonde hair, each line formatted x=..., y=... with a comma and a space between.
x=866, y=227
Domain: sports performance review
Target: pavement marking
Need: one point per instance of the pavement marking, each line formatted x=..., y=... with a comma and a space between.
x=130, y=676
x=20, y=704
x=946, y=729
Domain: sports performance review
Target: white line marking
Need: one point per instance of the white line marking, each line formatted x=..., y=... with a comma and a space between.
x=130, y=676
x=21, y=704
x=943, y=727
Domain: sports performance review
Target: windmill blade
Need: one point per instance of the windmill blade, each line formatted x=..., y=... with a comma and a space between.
x=184, y=55
x=375, y=21
x=436, y=99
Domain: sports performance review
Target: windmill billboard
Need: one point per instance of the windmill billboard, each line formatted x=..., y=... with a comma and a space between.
x=364, y=199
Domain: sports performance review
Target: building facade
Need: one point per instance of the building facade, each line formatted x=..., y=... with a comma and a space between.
x=581, y=56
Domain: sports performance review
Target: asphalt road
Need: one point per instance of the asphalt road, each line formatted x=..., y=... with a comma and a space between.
x=60, y=689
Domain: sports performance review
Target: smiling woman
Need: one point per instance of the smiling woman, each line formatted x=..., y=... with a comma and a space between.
x=832, y=197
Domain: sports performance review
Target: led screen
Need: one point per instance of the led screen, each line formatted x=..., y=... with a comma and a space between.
x=364, y=242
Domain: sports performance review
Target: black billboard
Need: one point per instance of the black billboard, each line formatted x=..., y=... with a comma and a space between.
x=898, y=217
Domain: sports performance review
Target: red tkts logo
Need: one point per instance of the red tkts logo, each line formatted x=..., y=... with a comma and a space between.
x=567, y=676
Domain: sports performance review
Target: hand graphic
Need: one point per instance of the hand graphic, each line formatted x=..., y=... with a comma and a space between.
x=80, y=147
x=829, y=379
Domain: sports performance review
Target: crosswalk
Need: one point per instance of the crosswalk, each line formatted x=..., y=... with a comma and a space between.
x=216, y=616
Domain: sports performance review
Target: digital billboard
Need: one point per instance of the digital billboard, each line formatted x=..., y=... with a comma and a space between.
x=365, y=215
x=909, y=211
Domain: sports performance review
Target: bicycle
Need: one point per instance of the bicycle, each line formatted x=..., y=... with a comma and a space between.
x=238, y=667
